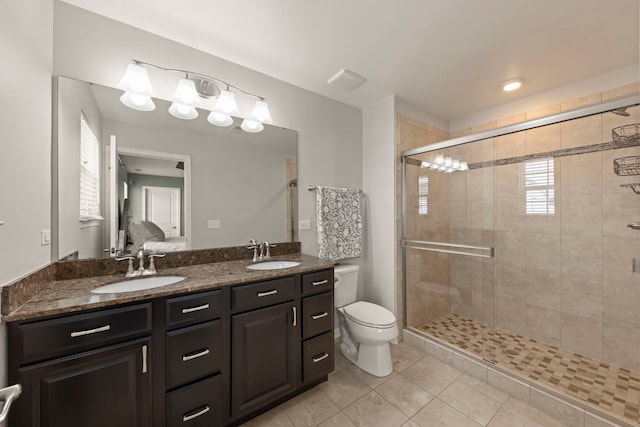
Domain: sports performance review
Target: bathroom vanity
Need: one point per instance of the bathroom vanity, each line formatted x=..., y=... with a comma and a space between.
x=213, y=350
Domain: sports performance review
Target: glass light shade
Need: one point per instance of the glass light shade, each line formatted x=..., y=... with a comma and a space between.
x=184, y=112
x=136, y=80
x=425, y=164
x=456, y=163
x=464, y=166
x=439, y=159
x=137, y=102
x=219, y=119
x=251, y=126
x=227, y=103
x=187, y=94
x=448, y=161
x=261, y=112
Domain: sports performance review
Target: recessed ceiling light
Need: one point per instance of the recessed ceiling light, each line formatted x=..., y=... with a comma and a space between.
x=511, y=85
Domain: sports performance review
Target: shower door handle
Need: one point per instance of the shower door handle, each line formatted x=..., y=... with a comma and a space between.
x=459, y=249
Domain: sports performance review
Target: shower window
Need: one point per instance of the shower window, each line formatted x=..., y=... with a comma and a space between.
x=423, y=195
x=539, y=185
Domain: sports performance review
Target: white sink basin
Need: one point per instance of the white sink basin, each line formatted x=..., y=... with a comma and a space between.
x=138, y=284
x=273, y=265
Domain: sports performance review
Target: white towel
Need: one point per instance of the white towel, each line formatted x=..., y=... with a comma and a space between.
x=339, y=221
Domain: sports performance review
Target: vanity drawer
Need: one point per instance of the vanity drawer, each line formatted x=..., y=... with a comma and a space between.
x=263, y=294
x=46, y=339
x=317, y=282
x=317, y=314
x=197, y=405
x=193, y=308
x=317, y=357
x=193, y=352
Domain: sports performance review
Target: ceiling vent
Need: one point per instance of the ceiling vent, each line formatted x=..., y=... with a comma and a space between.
x=346, y=80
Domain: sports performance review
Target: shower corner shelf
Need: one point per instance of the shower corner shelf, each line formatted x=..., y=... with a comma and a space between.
x=627, y=166
x=627, y=135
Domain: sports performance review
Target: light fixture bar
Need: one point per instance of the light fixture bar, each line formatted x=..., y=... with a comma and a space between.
x=193, y=73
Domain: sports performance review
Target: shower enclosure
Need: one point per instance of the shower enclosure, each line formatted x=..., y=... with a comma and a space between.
x=517, y=249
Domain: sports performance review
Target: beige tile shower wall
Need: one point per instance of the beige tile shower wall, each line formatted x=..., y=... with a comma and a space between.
x=428, y=293
x=564, y=279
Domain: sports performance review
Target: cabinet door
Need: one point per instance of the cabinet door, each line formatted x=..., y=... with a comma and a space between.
x=107, y=387
x=264, y=352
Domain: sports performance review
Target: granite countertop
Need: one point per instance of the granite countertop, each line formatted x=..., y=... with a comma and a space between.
x=67, y=296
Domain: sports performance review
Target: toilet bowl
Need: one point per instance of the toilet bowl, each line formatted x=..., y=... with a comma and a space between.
x=365, y=328
x=364, y=343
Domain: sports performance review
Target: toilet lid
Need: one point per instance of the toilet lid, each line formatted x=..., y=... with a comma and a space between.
x=367, y=313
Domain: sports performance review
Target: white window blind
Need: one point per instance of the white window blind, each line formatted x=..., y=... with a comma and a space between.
x=423, y=193
x=539, y=183
x=89, y=173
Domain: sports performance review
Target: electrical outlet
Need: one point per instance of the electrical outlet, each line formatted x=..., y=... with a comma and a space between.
x=45, y=237
x=304, y=224
x=213, y=223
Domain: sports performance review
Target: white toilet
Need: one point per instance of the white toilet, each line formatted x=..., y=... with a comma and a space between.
x=366, y=328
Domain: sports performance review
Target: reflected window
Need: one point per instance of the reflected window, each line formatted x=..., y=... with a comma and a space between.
x=89, y=173
x=539, y=183
x=423, y=193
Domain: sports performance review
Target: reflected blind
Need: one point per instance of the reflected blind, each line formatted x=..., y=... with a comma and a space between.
x=539, y=183
x=89, y=173
x=423, y=193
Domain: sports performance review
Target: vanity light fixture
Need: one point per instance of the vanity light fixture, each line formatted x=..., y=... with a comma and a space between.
x=511, y=85
x=189, y=94
x=446, y=164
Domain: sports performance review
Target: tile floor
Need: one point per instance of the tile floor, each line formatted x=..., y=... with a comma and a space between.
x=421, y=391
x=610, y=387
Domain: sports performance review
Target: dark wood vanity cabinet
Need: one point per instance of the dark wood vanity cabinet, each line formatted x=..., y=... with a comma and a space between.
x=210, y=358
x=73, y=374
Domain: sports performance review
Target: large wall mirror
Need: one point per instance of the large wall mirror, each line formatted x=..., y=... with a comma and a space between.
x=203, y=186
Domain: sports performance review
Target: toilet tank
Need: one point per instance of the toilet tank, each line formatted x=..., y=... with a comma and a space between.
x=345, y=284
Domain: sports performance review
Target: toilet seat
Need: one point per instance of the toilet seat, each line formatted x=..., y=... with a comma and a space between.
x=370, y=315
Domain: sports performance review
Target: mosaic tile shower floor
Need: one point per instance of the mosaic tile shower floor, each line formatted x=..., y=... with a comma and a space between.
x=609, y=387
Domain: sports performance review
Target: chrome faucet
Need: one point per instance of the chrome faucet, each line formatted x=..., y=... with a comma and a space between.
x=264, y=248
x=141, y=271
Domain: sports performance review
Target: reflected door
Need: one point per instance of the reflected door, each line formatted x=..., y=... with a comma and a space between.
x=161, y=205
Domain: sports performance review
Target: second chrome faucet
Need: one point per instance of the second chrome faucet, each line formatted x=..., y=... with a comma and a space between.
x=263, y=249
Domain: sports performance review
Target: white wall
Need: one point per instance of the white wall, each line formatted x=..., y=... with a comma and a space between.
x=93, y=48
x=25, y=192
x=378, y=175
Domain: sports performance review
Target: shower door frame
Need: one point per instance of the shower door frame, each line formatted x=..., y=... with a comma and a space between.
x=518, y=127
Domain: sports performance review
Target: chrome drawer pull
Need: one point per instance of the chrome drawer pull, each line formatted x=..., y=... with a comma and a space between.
x=320, y=358
x=266, y=294
x=90, y=331
x=192, y=309
x=322, y=282
x=203, y=411
x=295, y=316
x=188, y=357
x=144, y=359
x=319, y=316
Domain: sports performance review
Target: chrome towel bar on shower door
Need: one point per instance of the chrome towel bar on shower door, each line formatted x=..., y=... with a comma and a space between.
x=424, y=246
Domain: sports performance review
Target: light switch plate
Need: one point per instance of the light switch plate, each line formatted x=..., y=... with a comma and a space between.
x=304, y=224
x=213, y=223
x=45, y=237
